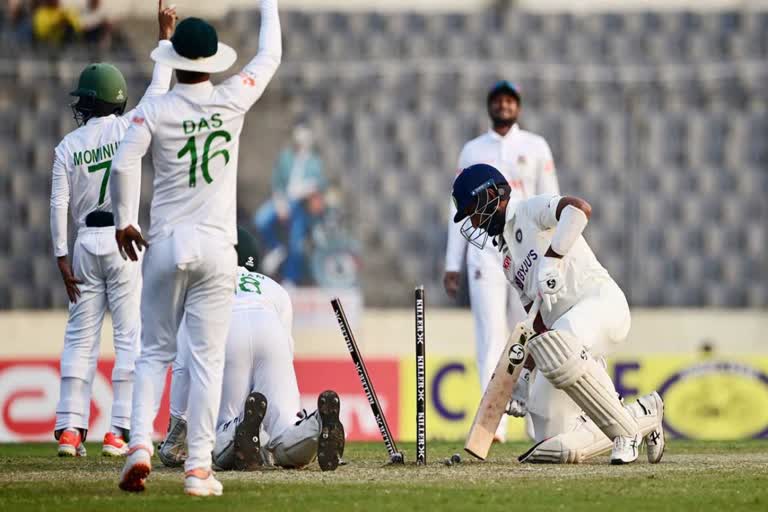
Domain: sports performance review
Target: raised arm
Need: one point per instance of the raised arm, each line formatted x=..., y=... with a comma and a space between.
x=246, y=87
x=161, y=75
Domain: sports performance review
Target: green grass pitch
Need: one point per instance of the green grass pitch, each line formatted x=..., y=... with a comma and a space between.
x=693, y=476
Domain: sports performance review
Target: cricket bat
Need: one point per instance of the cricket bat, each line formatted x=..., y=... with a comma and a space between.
x=500, y=387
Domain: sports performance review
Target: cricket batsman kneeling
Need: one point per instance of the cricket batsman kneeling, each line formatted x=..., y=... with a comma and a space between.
x=257, y=423
x=575, y=410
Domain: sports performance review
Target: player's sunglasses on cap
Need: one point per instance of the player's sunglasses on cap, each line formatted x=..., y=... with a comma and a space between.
x=504, y=87
x=472, y=197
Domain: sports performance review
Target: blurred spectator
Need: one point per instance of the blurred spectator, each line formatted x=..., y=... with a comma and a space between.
x=298, y=186
x=97, y=28
x=502, y=6
x=54, y=24
x=18, y=21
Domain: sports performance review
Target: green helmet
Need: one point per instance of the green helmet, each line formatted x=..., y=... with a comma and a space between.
x=101, y=91
x=103, y=82
x=247, y=249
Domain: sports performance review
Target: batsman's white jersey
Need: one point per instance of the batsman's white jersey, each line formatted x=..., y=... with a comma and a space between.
x=81, y=172
x=259, y=357
x=528, y=234
x=593, y=309
x=525, y=160
x=190, y=265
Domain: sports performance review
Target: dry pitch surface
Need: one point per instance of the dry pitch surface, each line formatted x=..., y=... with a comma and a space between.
x=693, y=476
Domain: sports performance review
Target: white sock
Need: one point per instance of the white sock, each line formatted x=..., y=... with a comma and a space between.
x=72, y=409
x=122, y=393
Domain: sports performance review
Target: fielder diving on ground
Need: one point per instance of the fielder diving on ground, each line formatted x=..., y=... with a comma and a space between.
x=257, y=424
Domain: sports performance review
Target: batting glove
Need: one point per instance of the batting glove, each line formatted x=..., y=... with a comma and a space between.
x=518, y=406
x=551, y=282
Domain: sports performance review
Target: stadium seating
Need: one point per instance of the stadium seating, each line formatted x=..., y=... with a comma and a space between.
x=659, y=119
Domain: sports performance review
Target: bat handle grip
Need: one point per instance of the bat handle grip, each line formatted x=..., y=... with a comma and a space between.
x=531, y=318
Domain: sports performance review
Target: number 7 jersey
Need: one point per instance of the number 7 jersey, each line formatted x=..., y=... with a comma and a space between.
x=82, y=165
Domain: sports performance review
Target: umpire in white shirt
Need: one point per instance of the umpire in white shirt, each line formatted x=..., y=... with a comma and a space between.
x=525, y=160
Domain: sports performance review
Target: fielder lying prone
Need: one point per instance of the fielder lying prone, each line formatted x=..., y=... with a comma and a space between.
x=260, y=422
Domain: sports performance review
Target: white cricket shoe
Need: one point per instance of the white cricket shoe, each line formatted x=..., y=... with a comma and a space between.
x=654, y=441
x=202, y=482
x=137, y=467
x=626, y=449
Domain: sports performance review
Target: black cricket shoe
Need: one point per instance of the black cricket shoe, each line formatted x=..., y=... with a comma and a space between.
x=247, y=440
x=330, y=445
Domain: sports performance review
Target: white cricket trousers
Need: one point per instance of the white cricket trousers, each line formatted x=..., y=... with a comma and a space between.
x=496, y=309
x=600, y=321
x=109, y=282
x=259, y=357
x=202, y=290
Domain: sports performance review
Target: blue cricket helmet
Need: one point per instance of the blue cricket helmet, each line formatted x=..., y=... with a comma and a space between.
x=504, y=87
x=470, y=182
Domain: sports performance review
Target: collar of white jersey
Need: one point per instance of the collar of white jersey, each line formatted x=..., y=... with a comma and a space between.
x=511, y=133
x=99, y=119
x=509, y=214
x=200, y=90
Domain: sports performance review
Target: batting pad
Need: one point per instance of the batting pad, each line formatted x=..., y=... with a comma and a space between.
x=224, y=450
x=573, y=447
x=297, y=445
x=567, y=364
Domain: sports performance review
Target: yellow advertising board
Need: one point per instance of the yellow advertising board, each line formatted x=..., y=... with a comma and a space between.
x=705, y=398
